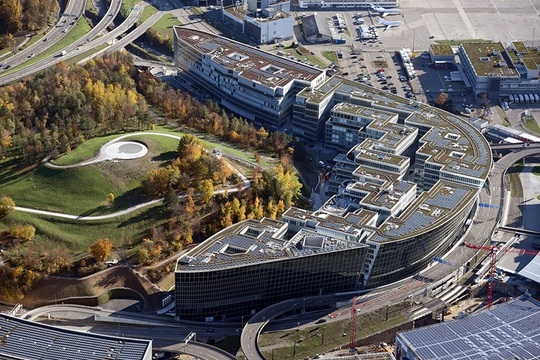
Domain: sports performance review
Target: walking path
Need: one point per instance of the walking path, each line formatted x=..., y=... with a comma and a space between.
x=104, y=156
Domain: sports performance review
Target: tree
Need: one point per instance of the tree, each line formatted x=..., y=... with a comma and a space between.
x=206, y=189
x=171, y=201
x=22, y=231
x=187, y=139
x=441, y=100
x=6, y=206
x=110, y=198
x=101, y=249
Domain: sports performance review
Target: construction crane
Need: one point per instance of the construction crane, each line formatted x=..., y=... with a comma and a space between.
x=493, y=250
x=352, y=343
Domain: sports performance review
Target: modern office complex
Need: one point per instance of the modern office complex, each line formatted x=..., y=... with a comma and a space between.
x=507, y=331
x=24, y=339
x=253, y=83
x=403, y=186
x=501, y=72
x=253, y=264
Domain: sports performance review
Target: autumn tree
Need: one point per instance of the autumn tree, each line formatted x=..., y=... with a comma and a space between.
x=441, y=99
x=22, y=231
x=206, y=190
x=6, y=206
x=101, y=249
x=110, y=198
x=158, y=181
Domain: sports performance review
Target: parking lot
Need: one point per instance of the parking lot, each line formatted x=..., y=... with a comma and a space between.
x=421, y=26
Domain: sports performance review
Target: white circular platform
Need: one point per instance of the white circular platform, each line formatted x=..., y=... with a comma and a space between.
x=123, y=150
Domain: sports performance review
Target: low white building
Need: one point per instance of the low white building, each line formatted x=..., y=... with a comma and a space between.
x=268, y=26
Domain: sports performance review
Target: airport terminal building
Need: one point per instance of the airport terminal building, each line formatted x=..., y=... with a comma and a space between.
x=404, y=184
x=499, y=72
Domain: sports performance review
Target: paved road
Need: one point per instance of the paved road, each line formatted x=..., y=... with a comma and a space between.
x=480, y=231
x=231, y=189
x=83, y=44
x=164, y=335
x=73, y=11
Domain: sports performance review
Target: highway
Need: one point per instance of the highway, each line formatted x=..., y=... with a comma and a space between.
x=80, y=46
x=73, y=11
x=486, y=220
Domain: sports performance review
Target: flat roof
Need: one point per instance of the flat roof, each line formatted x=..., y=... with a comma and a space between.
x=254, y=241
x=248, y=62
x=441, y=49
x=426, y=212
x=529, y=56
x=485, y=59
x=507, y=331
x=24, y=339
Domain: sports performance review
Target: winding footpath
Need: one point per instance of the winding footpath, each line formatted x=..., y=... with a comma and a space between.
x=103, y=157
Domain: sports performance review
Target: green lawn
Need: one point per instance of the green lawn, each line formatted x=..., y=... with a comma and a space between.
x=147, y=12
x=531, y=125
x=536, y=170
x=165, y=24
x=331, y=55
x=71, y=191
x=78, y=236
x=85, y=151
x=311, y=58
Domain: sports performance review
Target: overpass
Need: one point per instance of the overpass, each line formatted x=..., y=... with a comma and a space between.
x=514, y=147
x=519, y=231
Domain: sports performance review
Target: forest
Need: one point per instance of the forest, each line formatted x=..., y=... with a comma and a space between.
x=53, y=113
x=18, y=17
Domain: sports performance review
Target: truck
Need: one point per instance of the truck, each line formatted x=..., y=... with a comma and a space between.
x=62, y=53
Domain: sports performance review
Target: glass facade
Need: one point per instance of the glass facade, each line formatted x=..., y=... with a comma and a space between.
x=242, y=290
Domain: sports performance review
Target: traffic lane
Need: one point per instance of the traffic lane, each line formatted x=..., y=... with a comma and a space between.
x=75, y=7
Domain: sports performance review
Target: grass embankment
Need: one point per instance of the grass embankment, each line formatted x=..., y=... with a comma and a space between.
x=147, y=12
x=126, y=6
x=77, y=236
x=164, y=25
x=516, y=189
x=331, y=55
x=530, y=124
x=331, y=335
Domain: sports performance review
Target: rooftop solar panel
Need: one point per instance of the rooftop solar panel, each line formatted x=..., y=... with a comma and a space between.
x=511, y=330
